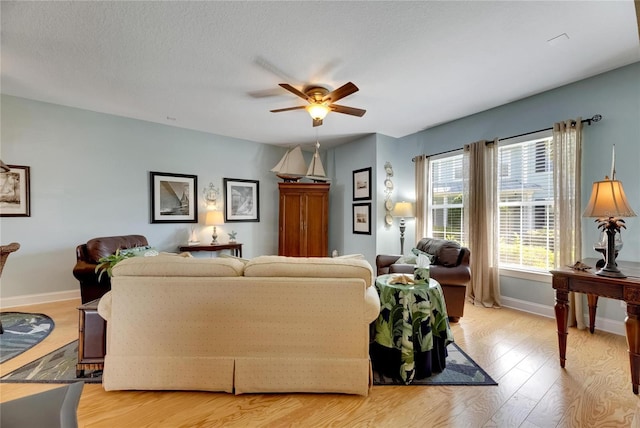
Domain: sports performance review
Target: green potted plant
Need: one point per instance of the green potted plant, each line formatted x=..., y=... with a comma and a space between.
x=106, y=264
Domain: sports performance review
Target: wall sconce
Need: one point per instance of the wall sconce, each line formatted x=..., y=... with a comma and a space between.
x=608, y=203
x=403, y=210
x=211, y=194
x=214, y=218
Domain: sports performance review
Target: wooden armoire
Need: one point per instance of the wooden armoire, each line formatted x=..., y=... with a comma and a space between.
x=304, y=219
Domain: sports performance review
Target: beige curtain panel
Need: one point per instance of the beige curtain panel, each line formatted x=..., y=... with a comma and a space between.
x=480, y=177
x=567, y=152
x=422, y=195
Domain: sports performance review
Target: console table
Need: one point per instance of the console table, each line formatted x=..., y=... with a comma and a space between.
x=236, y=248
x=626, y=289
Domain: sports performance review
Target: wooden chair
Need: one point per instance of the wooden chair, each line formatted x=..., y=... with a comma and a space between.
x=5, y=250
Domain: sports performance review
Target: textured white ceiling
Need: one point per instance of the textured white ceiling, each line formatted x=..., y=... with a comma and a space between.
x=215, y=66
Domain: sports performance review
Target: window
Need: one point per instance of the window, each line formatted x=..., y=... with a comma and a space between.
x=526, y=203
x=525, y=190
x=445, y=198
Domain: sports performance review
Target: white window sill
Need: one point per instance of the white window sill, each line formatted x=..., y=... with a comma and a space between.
x=527, y=274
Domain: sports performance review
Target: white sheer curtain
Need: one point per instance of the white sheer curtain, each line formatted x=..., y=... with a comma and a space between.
x=567, y=155
x=480, y=177
x=422, y=196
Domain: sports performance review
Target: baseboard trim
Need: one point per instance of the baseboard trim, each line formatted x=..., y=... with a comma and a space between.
x=603, y=324
x=35, y=299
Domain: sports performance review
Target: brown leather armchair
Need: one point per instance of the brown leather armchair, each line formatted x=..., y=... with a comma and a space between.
x=87, y=259
x=450, y=267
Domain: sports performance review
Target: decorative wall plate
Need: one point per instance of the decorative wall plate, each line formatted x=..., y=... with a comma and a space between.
x=389, y=169
x=388, y=204
x=388, y=184
x=388, y=219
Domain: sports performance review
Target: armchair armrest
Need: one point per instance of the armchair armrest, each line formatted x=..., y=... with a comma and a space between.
x=383, y=262
x=83, y=270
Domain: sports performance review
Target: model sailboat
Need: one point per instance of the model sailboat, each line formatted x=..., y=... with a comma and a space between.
x=316, y=170
x=292, y=166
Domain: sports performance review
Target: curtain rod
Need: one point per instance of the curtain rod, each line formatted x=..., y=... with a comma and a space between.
x=594, y=118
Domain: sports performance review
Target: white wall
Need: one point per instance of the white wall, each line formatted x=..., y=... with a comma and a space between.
x=90, y=178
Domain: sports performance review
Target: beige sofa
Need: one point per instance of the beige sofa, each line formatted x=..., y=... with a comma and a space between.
x=272, y=324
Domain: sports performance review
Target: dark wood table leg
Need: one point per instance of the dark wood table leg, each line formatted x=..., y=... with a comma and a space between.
x=562, y=319
x=593, y=305
x=632, y=325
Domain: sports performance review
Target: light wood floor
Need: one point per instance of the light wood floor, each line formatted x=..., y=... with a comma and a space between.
x=517, y=349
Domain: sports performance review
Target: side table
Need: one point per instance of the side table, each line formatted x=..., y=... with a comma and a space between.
x=412, y=330
x=92, y=341
x=235, y=247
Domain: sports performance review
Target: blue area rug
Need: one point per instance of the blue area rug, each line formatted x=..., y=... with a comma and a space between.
x=460, y=370
x=58, y=366
x=22, y=331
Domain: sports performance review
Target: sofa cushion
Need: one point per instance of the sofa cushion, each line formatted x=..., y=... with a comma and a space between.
x=178, y=266
x=143, y=251
x=311, y=267
x=447, y=253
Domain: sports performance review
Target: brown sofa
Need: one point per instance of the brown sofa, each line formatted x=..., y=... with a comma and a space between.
x=450, y=267
x=87, y=259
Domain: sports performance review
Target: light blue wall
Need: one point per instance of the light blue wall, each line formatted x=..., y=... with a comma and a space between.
x=89, y=178
x=399, y=154
x=616, y=96
x=341, y=162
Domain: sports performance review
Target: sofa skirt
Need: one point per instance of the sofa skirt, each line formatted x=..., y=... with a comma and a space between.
x=348, y=376
x=168, y=373
x=238, y=375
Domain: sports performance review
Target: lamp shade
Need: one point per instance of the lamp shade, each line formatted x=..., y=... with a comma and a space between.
x=608, y=200
x=403, y=209
x=317, y=111
x=214, y=218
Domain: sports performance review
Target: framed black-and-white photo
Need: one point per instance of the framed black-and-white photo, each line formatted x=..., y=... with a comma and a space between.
x=241, y=200
x=362, y=218
x=14, y=192
x=362, y=184
x=173, y=198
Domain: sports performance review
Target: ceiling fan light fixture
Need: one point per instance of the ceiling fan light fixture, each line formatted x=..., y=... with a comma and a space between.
x=317, y=111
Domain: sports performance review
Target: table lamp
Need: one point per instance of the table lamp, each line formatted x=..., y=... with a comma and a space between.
x=214, y=218
x=608, y=203
x=403, y=210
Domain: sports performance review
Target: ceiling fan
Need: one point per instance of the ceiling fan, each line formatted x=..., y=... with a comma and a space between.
x=321, y=101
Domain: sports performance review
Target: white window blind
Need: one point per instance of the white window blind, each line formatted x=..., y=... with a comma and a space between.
x=525, y=184
x=445, y=198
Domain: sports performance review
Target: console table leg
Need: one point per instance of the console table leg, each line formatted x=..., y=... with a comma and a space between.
x=562, y=319
x=632, y=325
x=592, y=300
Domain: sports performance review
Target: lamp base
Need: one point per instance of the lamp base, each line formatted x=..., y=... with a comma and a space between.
x=611, y=272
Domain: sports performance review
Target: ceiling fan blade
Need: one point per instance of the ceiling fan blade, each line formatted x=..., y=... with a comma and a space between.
x=344, y=90
x=317, y=122
x=287, y=109
x=293, y=90
x=347, y=110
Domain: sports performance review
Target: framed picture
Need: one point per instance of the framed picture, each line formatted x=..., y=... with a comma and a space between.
x=15, y=194
x=241, y=200
x=173, y=198
x=362, y=218
x=362, y=184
